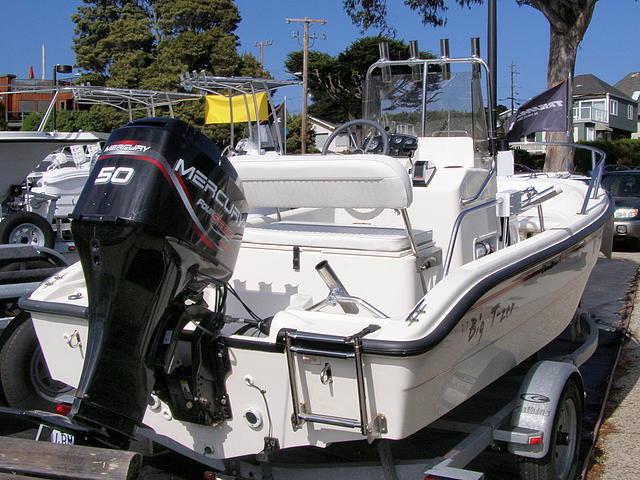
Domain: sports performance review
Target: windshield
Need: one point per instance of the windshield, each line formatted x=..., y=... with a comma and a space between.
x=451, y=106
x=622, y=185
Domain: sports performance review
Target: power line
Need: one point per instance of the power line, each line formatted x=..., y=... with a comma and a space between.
x=305, y=67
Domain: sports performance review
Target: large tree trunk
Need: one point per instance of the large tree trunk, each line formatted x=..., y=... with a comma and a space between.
x=562, y=58
x=568, y=21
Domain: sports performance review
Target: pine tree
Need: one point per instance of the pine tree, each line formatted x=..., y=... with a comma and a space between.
x=147, y=44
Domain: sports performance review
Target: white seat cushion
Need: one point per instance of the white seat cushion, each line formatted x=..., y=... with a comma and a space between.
x=323, y=235
x=336, y=181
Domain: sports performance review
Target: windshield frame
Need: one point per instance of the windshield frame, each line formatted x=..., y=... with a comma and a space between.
x=423, y=66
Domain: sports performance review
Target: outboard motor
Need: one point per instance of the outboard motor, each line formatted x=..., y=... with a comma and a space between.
x=161, y=214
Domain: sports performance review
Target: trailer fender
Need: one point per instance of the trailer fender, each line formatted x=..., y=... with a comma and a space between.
x=537, y=402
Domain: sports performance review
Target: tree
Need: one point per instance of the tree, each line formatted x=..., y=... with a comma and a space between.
x=99, y=118
x=337, y=83
x=113, y=40
x=147, y=44
x=568, y=21
x=294, y=130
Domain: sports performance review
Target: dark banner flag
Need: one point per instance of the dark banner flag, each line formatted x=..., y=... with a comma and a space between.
x=545, y=113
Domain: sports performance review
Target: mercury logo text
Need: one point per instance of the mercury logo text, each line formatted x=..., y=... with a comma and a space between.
x=127, y=147
x=200, y=180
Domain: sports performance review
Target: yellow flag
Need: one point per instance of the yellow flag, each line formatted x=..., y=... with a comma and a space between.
x=217, y=108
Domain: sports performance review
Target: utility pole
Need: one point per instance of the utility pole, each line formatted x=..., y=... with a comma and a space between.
x=492, y=35
x=305, y=67
x=261, y=45
x=513, y=73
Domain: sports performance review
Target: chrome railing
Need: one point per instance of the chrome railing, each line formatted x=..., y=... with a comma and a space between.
x=594, y=184
x=597, y=167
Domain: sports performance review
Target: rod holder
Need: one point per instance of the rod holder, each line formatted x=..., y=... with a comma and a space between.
x=475, y=47
x=414, y=51
x=383, y=49
x=335, y=286
x=414, y=54
x=444, y=54
x=475, y=53
x=444, y=48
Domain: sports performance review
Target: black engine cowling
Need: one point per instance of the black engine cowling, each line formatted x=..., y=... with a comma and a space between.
x=161, y=210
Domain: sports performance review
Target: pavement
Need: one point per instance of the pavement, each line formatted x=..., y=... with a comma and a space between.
x=612, y=293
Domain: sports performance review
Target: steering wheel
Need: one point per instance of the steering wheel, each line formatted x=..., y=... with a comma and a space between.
x=352, y=140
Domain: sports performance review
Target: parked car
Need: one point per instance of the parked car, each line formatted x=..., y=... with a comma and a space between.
x=624, y=187
x=615, y=168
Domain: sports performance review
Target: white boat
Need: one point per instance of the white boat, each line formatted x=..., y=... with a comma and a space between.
x=61, y=174
x=386, y=290
x=21, y=152
x=54, y=187
x=25, y=221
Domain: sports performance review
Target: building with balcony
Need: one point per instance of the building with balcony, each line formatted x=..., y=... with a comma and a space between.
x=630, y=86
x=20, y=96
x=602, y=112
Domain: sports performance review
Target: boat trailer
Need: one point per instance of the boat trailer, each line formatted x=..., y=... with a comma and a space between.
x=526, y=425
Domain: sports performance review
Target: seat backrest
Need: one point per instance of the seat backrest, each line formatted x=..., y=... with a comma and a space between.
x=334, y=181
x=446, y=151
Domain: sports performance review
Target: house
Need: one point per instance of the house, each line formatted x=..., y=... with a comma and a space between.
x=21, y=96
x=630, y=86
x=323, y=130
x=602, y=112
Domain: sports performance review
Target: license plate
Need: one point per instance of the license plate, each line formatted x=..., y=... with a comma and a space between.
x=61, y=437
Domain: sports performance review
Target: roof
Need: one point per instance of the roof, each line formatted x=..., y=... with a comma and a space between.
x=323, y=123
x=630, y=85
x=589, y=85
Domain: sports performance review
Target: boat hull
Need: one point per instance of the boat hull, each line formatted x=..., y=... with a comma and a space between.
x=507, y=323
x=511, y=322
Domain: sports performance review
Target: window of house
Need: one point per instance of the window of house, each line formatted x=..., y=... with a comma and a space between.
x=590, y=134
x=613, y=107
x=26, y=105
x=591, y=110
x=630, y=112
x=585, y=110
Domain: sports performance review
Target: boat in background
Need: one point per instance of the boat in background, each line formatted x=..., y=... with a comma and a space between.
x=52, y=190
x=21, y=152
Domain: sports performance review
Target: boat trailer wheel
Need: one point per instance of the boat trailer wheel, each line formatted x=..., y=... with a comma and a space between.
x=561, y=462
x=27, y=228
x=25, y=378
x=367, y=145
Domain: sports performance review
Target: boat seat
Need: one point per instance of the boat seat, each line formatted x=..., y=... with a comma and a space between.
x=326, y=235
x=334, y=181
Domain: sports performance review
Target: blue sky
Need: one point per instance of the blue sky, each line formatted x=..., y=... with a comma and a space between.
x=609, y=49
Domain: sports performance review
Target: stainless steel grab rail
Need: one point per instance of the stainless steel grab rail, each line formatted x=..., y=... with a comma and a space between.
x=596, y=168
